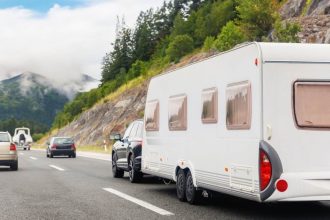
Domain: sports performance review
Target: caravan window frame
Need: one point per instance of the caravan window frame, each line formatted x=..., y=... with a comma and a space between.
x=295, y=84
x=238, y=88
x=155, y=119
x=213, y=105
x=183, y=120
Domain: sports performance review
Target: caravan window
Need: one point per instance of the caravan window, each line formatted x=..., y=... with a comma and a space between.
x=238, y=105
x=210, y=105
x=152, y=116
x=312, y=104
x=177, y=113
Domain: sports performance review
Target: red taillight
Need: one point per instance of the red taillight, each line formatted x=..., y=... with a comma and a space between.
x=54, y=146
x=282, y=185
x=265, y=171
x=73, y=147
x=12, y=147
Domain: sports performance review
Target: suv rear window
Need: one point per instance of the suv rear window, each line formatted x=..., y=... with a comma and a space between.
x=63, y=141
x=4, y=137
x=312, y=104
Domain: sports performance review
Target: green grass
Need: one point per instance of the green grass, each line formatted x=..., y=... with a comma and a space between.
x=94, y=149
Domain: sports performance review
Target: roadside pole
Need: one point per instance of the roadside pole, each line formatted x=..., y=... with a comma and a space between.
x=105, y=145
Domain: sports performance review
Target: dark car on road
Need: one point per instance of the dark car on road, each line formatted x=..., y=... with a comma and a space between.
x=61, y=146
x=126, y=152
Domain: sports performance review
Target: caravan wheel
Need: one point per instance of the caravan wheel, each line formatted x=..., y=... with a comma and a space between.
x=192, y=194
x=181, y=185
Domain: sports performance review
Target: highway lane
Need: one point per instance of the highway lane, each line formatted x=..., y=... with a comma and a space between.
x=65, y=188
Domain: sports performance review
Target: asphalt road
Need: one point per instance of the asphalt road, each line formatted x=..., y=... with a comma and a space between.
x=83, y=188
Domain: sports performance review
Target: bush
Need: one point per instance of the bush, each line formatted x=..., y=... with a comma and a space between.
x=257, y=17
x=180, y=46
x=208, y=43
x=286, y=32
x=37, y=137
x=229, y=36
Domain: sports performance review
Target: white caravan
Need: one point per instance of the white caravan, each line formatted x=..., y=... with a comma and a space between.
x=253, y=122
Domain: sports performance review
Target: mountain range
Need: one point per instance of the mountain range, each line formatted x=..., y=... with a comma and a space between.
x=33, y=97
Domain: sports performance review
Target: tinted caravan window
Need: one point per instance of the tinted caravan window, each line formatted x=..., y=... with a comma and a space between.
x=312, y=104
x=238, y=97
x=177, y=113
x=152, y=116
x=210, y=105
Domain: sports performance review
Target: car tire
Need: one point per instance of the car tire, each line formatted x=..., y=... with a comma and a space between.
x=14, y=166
x=47, y=155
x=69, y=155
x=181, y=185
x=74, y=155
x=134, y=176
x=116, y=172
x=193, y=195
x=51, y=155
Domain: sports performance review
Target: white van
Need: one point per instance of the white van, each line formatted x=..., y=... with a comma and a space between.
x=253, y=122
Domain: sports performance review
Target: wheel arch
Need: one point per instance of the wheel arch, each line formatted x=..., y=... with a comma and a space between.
x=185, y=166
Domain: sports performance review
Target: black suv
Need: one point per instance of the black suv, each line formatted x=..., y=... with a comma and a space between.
x=126, y=152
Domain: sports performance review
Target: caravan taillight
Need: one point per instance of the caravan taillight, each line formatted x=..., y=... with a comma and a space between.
x=265, y=171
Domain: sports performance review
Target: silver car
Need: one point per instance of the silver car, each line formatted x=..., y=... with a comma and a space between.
x=8, y=152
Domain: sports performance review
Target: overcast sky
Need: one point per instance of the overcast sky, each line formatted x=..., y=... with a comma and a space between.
x=61, y=38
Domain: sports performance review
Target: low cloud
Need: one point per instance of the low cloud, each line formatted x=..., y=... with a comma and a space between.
x=65, y=42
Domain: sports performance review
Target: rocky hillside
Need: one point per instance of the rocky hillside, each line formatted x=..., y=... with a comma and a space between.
x=96, y=124
x=313, y=17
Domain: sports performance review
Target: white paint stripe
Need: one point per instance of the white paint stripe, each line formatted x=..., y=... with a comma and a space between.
x=139, y=202
x=95, y=157
x=21, y=154
x=33, y=158
x=56, y=167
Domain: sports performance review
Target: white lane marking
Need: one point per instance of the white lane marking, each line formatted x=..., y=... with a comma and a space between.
x=139, y=202
x=56, y=167
x=21, y=153
x=95, y=157
x=33, y=158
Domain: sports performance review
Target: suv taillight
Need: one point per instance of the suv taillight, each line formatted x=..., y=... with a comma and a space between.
x=265, y=171
x=73, y=147
x=54, y=146
x=12, y=147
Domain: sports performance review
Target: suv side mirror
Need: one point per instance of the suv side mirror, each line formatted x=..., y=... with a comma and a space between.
x=116, y=137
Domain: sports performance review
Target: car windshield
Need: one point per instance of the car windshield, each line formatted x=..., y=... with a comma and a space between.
x=4, y=137
x=63, y=141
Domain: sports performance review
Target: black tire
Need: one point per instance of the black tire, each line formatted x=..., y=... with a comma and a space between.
x=134, y=176
x=69, y=156
x=51, y=155
x=47, y=155
x=181, y=185
x=14, y=166
x=73, y=155
x=24, y=148
x=116, y=172
x=193, y=195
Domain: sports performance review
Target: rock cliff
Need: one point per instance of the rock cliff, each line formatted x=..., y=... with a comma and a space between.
x=313, y=17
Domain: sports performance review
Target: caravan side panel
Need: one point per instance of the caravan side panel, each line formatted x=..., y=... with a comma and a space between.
x=220, y=158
